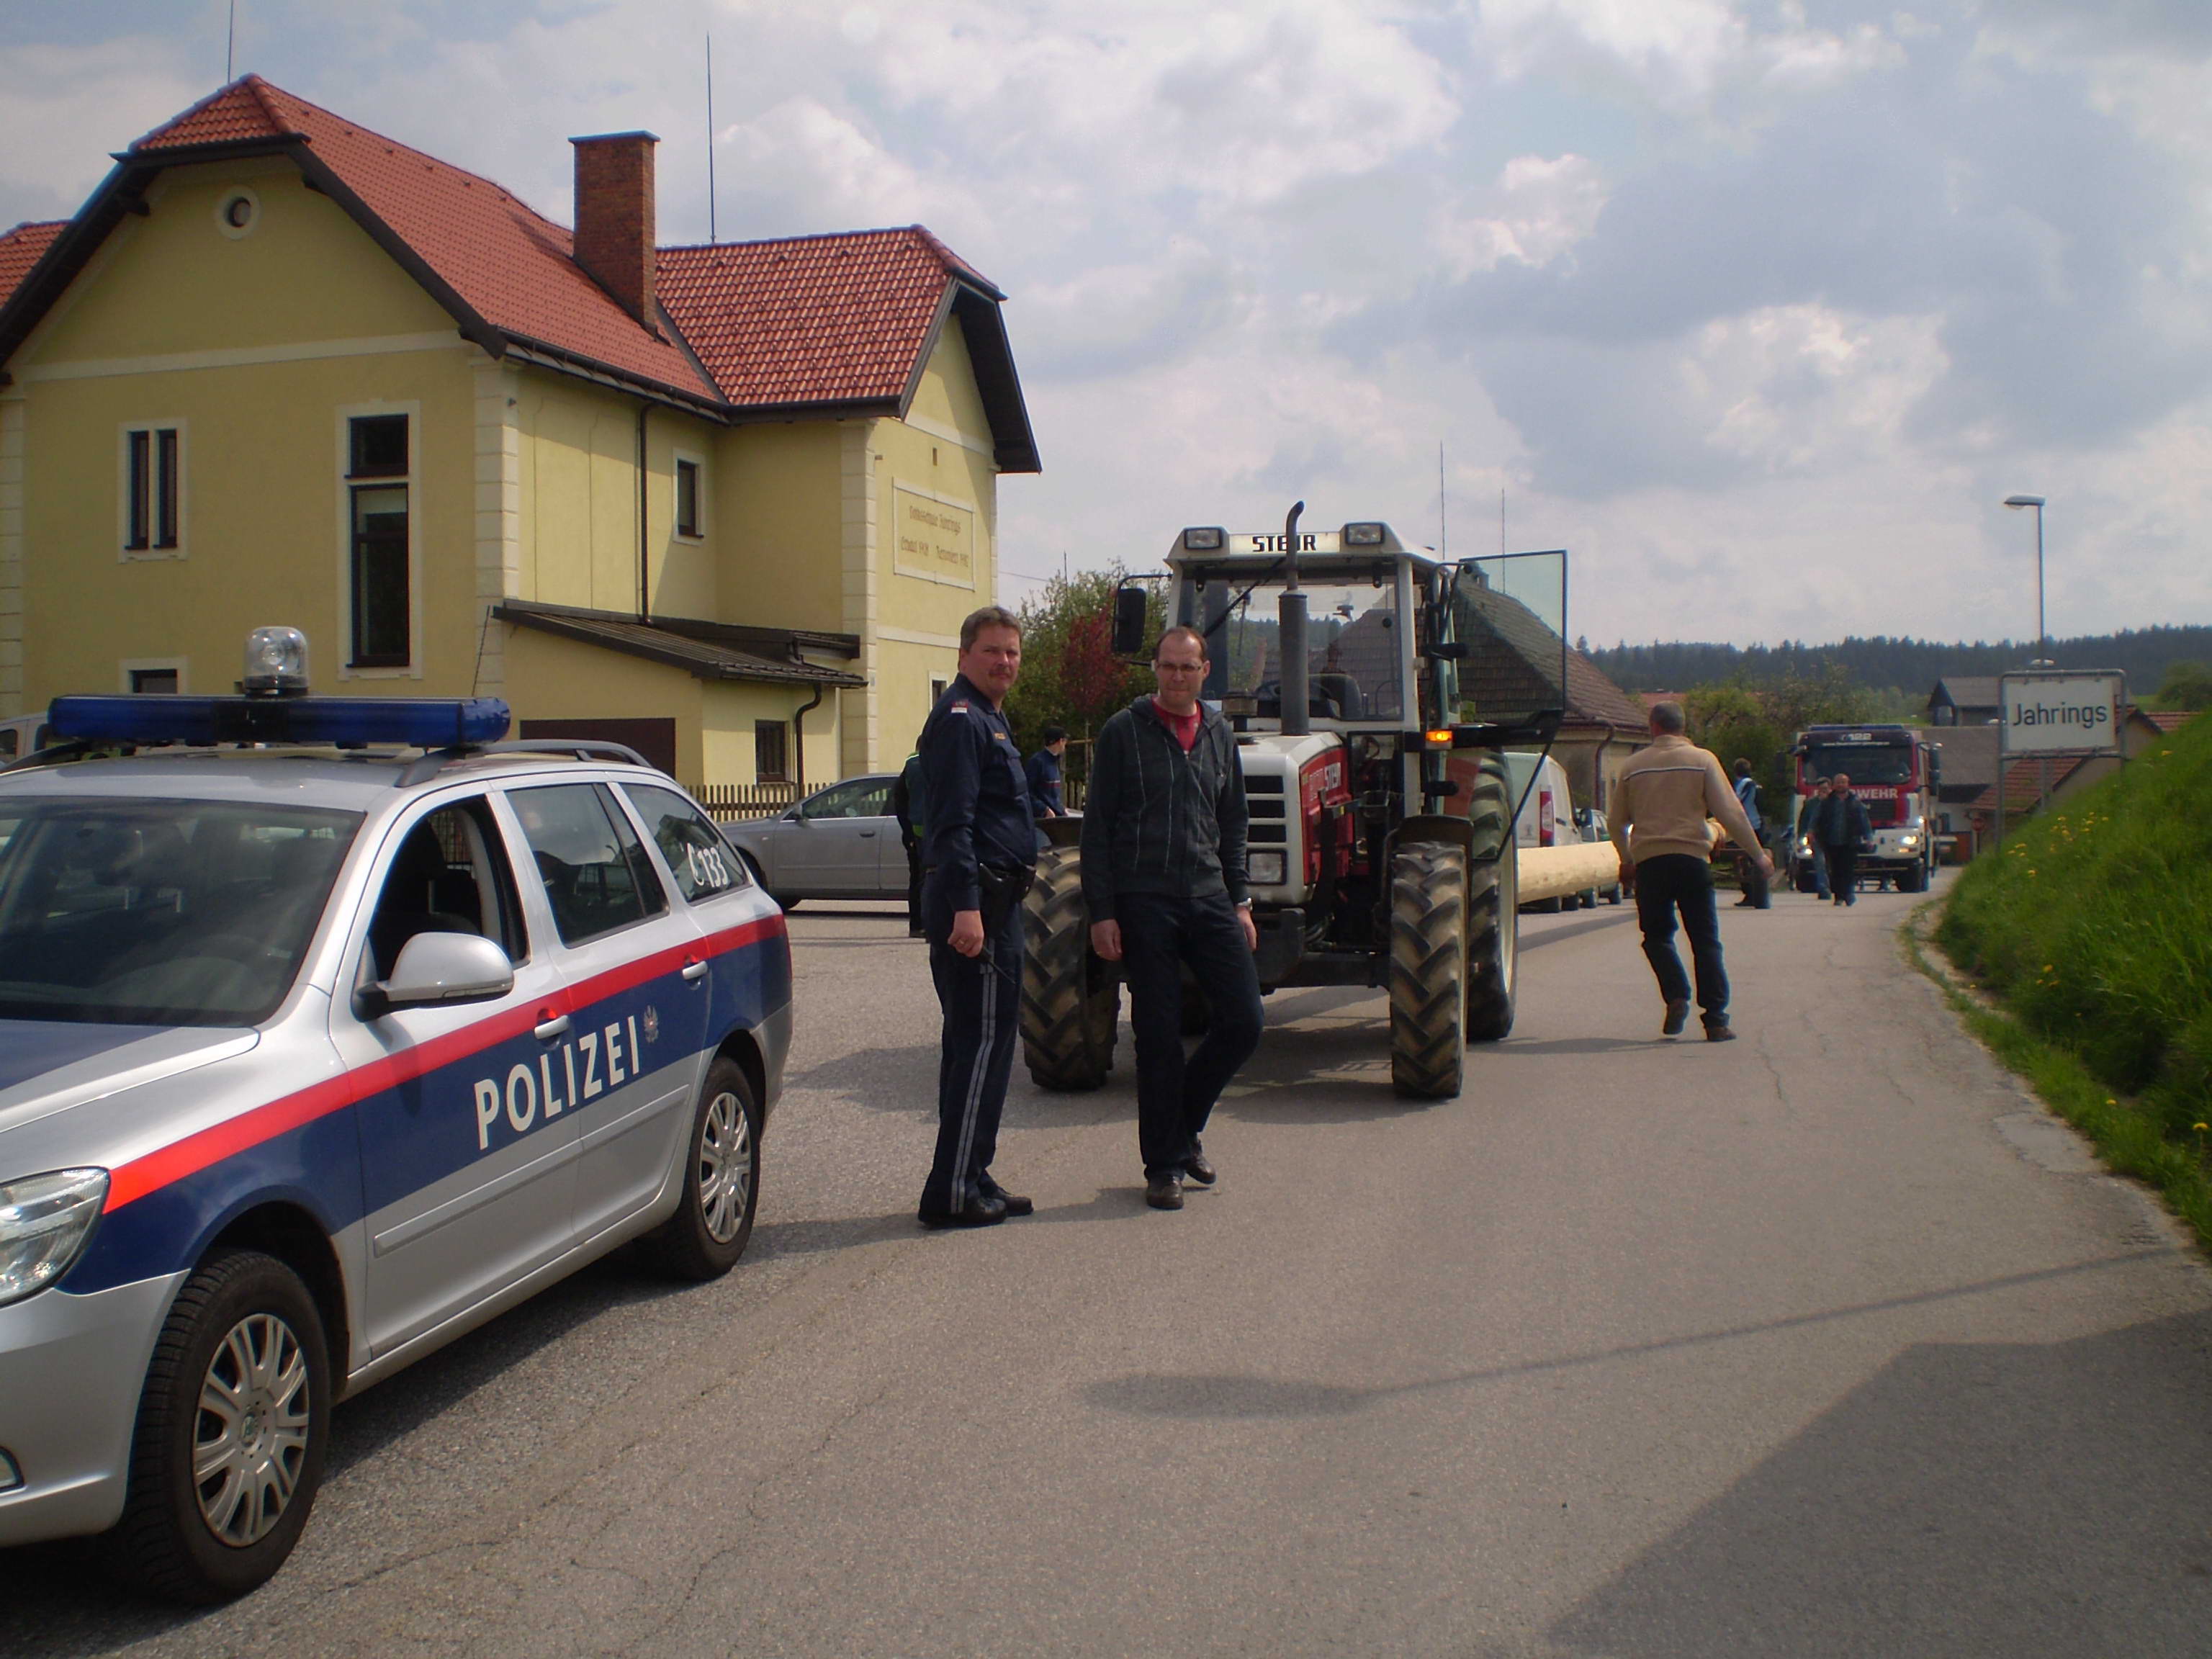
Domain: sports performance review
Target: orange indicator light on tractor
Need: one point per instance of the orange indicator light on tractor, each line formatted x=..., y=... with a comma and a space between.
x=1440, y=740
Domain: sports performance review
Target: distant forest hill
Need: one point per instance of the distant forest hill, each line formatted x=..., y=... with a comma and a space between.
x=1906, y=666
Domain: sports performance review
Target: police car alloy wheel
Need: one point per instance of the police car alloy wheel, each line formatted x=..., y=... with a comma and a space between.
x=714, y=1218
x=228, y=1450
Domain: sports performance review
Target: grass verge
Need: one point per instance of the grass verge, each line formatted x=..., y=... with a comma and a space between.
x=2132, y=1141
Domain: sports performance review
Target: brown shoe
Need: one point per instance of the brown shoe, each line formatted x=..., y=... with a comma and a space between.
x=1678, y=1016
x=1719, y=1030
x=1163, y=1192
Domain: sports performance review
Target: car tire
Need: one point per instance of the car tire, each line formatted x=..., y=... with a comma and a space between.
x=721, y=1187
x=243, y=1333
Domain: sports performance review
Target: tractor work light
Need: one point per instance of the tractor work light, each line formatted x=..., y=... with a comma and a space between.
x=1204, y=539
x=276, y=662
x=1264, y=869
x=1362, y=535
x=414, y=722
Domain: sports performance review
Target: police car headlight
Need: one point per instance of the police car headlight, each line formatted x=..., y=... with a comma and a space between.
x=1264, y=869
x=44, y=1221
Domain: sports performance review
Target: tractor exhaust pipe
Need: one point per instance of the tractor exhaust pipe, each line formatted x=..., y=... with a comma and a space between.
x=1291, y=636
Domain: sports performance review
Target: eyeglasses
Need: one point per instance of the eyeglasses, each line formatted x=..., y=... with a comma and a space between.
x=1178, y=668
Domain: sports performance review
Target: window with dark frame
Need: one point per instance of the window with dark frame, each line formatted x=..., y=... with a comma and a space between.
x=153, y=681
x=771, y=751
x=687, y=498
x=150, y=462
x=377, y=451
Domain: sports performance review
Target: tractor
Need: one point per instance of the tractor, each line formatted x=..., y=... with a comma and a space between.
x=1372, y=687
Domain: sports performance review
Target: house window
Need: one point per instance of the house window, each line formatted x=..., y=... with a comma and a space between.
x=771, y=751
x=937, y=688
x=153, y=515
x=155, y=682
x=689, y=512
x=377, y=485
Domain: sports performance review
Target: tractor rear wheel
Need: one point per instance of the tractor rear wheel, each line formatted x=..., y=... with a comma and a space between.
x=1494, y=913
x=1071, y=1000
x=1428, y=970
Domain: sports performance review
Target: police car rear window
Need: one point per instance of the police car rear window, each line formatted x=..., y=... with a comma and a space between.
x=704, y=863
x=148, y=912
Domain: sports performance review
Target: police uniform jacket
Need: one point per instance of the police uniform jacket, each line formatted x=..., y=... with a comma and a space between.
x=978, y=800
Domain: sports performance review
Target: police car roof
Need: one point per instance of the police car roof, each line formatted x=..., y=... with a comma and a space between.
x=320, y=777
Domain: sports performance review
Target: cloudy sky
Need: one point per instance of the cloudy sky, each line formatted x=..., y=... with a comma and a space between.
x=1759, y=306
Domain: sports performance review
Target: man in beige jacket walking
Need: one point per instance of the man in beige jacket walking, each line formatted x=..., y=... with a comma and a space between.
x=1659, y=806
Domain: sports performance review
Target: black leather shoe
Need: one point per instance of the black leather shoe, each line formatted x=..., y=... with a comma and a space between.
x=1197, y=1168
x=1015, y=1203
x=1163, y=1192
x=1678, y=1016
x=1719, y=1030
x=981, y=1211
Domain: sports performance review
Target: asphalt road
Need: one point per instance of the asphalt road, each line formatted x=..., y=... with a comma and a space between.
x=1825, y=1341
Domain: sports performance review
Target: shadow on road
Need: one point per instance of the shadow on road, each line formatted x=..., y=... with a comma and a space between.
x=1532, y=938
x=1984, y=1499
x=1230, y=1396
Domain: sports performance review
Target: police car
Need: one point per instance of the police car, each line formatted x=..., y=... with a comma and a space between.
x=329, y=1030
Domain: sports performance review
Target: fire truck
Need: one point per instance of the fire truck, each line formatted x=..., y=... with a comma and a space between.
x=1894, y=771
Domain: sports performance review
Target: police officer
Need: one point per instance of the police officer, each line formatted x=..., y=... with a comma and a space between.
x=979, y=855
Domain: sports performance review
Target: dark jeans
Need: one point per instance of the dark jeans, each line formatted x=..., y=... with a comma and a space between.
x=982, y=999
x=1817, y=859
x=1664, y=885
x=1175, y=1095
x=1757, y=892
x=1843, y=872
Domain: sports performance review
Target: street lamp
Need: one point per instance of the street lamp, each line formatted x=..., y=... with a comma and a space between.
x=2042, y=654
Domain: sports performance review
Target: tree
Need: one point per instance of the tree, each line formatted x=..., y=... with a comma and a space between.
x=1069, y=674
x=1738, y=720
x=2187, y=685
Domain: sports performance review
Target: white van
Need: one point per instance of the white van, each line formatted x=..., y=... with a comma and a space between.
x=1546, y=815
x=21, y=736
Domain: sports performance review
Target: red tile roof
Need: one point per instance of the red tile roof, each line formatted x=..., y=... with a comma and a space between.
x=2168, y=719
x=810, y=319
x=807, y=321
x=2023, y=784
x=21, y=248
x=505, y=262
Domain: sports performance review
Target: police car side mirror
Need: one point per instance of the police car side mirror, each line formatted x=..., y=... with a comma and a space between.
x=435, y=969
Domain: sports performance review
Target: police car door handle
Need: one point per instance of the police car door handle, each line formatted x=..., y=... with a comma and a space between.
x=548, y=1029
x=695, y=970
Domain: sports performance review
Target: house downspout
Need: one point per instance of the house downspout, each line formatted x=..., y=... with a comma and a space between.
x=644, y=571
x=798, y=738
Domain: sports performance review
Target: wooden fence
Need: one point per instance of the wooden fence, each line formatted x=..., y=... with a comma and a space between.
x=730, y=802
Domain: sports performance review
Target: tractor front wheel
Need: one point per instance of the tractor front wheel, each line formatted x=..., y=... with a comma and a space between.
x=1071, y=1000
x=1428, y=970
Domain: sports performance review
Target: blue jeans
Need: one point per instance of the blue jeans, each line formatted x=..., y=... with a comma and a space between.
x=1160, y=935
x=1665, y=884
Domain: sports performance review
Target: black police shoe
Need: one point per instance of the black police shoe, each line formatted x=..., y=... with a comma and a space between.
x=1015, y=1203
x=981, y=1211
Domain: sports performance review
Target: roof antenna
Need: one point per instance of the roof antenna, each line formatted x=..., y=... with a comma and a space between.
x=711, y=237
x=230, y=45
x=1443, y=546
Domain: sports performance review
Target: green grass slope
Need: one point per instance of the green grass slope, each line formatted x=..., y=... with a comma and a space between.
x=2094, y=926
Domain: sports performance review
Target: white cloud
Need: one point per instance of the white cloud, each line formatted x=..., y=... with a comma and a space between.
x=1759, y=306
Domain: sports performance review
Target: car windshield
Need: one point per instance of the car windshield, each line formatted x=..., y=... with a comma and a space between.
x=1354, y=649
x=1864, y=763
x=160, y=912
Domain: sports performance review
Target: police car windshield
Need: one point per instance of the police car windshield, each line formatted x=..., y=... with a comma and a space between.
x=160, y=912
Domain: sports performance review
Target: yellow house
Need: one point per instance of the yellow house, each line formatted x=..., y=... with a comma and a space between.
x=727, y=503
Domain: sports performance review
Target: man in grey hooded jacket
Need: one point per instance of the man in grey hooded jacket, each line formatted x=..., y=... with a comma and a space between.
x=1163, y=828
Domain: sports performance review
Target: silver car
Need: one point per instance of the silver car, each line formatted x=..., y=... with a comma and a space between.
x=839, y=843
x=312, y=1060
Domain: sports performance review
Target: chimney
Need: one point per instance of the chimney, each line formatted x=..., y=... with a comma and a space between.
x=614, y=217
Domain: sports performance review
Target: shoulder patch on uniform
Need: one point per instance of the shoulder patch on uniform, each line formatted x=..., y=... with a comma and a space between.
x=957, y=708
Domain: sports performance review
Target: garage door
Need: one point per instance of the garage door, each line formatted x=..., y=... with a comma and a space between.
x=654, y=739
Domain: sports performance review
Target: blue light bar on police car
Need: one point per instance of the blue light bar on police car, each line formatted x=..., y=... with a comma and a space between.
x=416, y=722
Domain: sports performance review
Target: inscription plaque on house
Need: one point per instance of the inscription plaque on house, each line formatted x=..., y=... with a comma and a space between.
x=936, y=539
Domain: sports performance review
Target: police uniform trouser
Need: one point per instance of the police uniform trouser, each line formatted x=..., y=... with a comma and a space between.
x=982, y=999
x=1160, y=936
